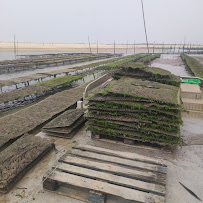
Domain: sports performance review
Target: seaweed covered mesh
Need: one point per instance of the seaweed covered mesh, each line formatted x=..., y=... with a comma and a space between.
x=135, y=70
x=142, y=110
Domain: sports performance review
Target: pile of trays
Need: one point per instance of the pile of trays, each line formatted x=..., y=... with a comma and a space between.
x=18, y=158
x=141, y=110
x=66, y=125
x=141, y=71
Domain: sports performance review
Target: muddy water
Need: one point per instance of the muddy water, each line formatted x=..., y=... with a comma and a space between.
x=33, y=82
x=11, y=55
x=44, y=70
x=172, y=63
x=37, y=97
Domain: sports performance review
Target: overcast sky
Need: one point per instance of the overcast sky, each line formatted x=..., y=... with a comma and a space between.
x=71, y=21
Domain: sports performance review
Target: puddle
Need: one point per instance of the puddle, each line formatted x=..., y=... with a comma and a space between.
x=172, y=63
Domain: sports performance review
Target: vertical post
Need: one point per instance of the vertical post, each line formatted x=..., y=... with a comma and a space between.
x=97, y=47
x=163, y=48
x=179, y=49
x=114, y=47
x=17, y=49
x=171, y=48
x=174, y=48
x=190, y=48
x=145, y=26
x=184, y=46
x=134, y=47
x=127, y=48
x=89, y=45
x=14, y=47
x=153, y=47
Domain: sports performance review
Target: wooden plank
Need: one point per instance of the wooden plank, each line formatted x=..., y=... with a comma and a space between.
x=106, y=188
x=125, y=155
x=138, y=145
x=120, y=161
x=117, y=170
x=114, y=179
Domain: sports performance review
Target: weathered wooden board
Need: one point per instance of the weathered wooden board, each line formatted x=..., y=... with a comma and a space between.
x=93, y=174
x=126, y=155
x=114, y=179
x=118, y=170
x=121, y=161
x=106, y=188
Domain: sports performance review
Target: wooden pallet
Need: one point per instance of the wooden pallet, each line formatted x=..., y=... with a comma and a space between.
x=97, y=175
x=130, y=141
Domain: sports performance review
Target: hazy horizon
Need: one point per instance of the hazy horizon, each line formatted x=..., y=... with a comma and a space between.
x=72, y=21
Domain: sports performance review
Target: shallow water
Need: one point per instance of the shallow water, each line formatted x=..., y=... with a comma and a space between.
x=44, y=70
x=35, y=81
x=172, y=63
x=11, y=55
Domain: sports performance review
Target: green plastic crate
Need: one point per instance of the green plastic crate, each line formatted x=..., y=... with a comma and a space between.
x=191, y=81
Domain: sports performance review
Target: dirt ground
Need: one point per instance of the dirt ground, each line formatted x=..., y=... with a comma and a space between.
x=185, y=165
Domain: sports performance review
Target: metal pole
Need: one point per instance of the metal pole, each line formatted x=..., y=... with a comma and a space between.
x=114, y=47
x=97, y=47
x=14, y=47
x=127, y=48
x=153, y=47
x=134, y=47
x=89, y=45
x=145, y=26
x=17, y=49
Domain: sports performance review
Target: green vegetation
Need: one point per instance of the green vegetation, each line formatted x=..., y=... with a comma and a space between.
x=132, y=88
x=193, y=66
x=142, y=110
x=38, y=88
x=144, y=72
x=122, y=61
x=26, y=120
x=59, y=81
x=147, y=59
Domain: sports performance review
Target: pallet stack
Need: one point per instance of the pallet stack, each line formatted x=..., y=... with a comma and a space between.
x=66, y=125
x=139, y=110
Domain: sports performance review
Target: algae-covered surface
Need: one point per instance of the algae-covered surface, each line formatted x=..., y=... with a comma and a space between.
x=144, y=110
x=15, y=158
x=192, y=65
x=66, y=119
x=150, y=73
x=21, y=122
x=39, y=88
x=133, y=88
x=123, y=61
